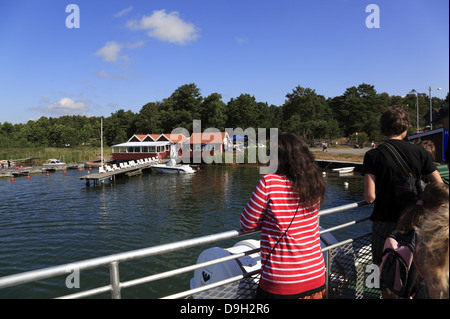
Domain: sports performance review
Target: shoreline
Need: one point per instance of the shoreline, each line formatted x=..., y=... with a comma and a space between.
x=334, y=158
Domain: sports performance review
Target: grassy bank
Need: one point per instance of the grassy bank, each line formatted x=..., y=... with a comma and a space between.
x=339, y=157
x=317, y=155
x=85, y=153
x=67, y=155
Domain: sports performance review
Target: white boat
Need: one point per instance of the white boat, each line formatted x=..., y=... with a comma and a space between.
x=54, y=164
x=343, y=170
x=171, y=167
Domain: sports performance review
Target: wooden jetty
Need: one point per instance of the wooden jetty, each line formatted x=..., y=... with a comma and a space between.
x=326, y=163
x=111, y=174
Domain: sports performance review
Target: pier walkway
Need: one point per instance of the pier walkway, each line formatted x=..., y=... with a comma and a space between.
x=114, y=171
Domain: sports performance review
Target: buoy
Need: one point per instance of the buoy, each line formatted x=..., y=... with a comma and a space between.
x=198, y=168
x=79, y=169
x=64, y=172
x=90, y=168
x=346, y=184
x=12, y=179
x=28, y=177
x=324, y=174
x=47, y=174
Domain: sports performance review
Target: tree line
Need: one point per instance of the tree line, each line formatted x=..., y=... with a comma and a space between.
x=304, y=112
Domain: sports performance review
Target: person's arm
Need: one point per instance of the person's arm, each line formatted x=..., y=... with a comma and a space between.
x=369, y=188
x=254, y=211
x=434, y=177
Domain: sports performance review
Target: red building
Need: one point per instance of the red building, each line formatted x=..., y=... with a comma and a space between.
x=141, y=146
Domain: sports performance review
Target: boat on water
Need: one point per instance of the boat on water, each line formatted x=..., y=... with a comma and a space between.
x=171, y=167
x=343, y=170
x=54, y=164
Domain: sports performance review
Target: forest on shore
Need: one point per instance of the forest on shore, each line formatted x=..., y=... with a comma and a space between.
x=304, y=112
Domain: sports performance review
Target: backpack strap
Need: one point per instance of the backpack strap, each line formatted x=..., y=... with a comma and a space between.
x=408, y=238
x=398, y=158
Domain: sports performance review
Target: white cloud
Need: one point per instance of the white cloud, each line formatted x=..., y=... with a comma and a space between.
x=45, y=99
x=112, y=49
x=110, y=52
x=104, y=74
x=123, y=12
x=135, y=45
x=66, y=106
x=241, y=40
x=166, y=27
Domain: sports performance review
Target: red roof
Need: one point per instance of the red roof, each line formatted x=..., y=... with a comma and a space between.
x=202, y=138
x=174, y=138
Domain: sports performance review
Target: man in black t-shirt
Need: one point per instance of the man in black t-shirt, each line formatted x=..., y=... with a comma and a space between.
x=380, y=172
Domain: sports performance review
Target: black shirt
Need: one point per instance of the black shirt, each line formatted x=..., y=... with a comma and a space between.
x=386, y=170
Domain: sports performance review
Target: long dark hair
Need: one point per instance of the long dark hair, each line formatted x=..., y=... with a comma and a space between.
x=297, y=163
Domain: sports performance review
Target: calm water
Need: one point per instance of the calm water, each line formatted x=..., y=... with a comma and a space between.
x=57, y=219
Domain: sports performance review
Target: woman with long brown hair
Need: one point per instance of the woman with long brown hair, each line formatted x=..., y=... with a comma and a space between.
x=285, y=206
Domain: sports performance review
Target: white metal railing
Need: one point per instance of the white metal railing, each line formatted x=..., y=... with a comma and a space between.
x=113, y=261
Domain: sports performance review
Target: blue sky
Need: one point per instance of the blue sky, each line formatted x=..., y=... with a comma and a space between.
x=128, y=53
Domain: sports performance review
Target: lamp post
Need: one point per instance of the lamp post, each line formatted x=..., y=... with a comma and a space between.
x=417, y=108
x=431, y=109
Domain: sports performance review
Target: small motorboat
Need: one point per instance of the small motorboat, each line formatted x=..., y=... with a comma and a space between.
x=53, y=163
x=171, y=167
x=343, y=170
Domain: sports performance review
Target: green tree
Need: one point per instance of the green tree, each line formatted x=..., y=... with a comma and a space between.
x=356, y=109
x=149, y=119
x=243, y=112
x=307, y=113
x=213, y=112
x=119, y=127
x=181, y=108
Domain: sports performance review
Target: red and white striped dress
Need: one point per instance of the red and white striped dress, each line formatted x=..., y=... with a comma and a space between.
x=296, y=265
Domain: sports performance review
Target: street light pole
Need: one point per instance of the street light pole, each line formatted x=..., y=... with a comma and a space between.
x=417, y=108
x=431, y=109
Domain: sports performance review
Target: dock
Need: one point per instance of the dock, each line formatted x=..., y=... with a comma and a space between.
x=324, y=163
x=15, y=172
x=112, y=173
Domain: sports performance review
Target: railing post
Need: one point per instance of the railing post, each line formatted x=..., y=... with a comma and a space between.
x=114, y=279
x=327, y=272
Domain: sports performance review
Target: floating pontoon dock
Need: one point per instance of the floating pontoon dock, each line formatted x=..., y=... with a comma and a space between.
x=111, y=173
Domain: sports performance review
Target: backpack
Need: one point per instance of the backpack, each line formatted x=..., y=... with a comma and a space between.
x=408, y=188
x=397, y=270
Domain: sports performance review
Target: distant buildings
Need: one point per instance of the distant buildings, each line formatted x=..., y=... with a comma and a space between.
x=439, y=138
x=141, y=146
